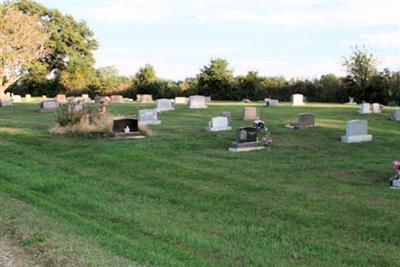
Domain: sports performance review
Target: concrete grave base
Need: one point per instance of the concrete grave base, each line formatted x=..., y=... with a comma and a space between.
x=218, y=129
x=356, y=138
x=131, y=135
x=245, y=147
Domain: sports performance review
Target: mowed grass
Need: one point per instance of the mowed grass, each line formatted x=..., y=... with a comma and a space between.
x=179, y=198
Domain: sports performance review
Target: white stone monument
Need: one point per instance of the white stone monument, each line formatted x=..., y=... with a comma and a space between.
x=181, y=100
x=297, y=100
x=28, y=97
x=218, y=124
x=164, y=104
x=16, y=98
x=376, y=108
x=149, y=116
x=396, y=115
x=6, y=102
x=356, y=132
x=365, y=108
x=197, y=102
x=49, y=105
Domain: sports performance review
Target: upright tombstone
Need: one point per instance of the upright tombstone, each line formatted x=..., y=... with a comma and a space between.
x=272, y=103
x=126, y=128
x=376, y=108
x=149, y=116
x=365, y=108
x=396, y=115
x=6, y=101
x=351, y=101
x=197, y=102
x=297, y=100
x=117, y=99
x=61, y=98
x=218, y=124
x=181, y=100
x=139, y=98
x=356, y=132
x=250, y=114
x=164, y=105
x=208, y=99
x=246, y=140
x=28, y=97
x=86, y=98
x=49, y=105
x=146, y=99
x=227, y=114
x=16, y=98
x=305, y=120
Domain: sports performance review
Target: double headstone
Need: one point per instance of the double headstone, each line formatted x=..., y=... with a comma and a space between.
x=356, y=132
x=149, y=116
x=218, y=124
x=246, y=140
x=365, y=108
x=117, y=99
x=126, y=128
x=164, y=104
x=297, y=100
x=197, y=102
x=250, y=114
x=50, y=105
x=181, y=100
x=305, y=120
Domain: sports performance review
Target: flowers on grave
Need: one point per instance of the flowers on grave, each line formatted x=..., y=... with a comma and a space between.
x=395, y=180
x=266, y=137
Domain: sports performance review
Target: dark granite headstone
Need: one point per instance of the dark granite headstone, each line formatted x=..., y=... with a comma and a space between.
x=306, y=120
x=120, y=125
x=246, y=135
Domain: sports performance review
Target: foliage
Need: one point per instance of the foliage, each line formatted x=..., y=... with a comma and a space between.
x=23, y=40
x=216, y=80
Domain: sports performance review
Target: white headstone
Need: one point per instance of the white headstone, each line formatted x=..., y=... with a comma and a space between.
x=376, y=108
x=149, y=116
x=48, y=105
x=16, y=98
x=272, y=103
x=396, y=115
x=197, y=101
x=181, y=100
x=356, y=132
x=28, y=97
x=365, y=108
x=6, y=102
x=218, y=124
x=164, y=105
x=297, y=100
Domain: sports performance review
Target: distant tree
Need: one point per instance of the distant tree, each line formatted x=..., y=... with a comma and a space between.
x=23, y=40
x=216, y=80
x=328, y=87
x=145, y=75
x=188, y=86
x=250, y=85
x=69, y=42
x=78, y=75
x=361, y=67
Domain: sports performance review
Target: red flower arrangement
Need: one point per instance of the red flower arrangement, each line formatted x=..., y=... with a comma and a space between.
x=396, y=165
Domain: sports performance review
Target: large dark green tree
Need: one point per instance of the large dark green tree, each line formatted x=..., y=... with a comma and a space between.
x=71, y=42
x=216, y=80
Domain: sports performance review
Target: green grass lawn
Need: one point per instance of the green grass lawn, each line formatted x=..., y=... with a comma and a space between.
x=180, y=198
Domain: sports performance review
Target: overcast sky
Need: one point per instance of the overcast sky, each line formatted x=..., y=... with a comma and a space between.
x=290, y=38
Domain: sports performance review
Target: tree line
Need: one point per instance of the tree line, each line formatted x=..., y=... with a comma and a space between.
x=68, y=67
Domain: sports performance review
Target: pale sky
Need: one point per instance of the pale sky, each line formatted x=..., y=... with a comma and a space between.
x=291, y=38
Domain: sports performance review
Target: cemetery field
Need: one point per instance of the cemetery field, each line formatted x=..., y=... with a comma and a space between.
x=180, y=198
